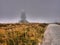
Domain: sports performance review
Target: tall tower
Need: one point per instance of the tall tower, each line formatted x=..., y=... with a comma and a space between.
x=23, y=17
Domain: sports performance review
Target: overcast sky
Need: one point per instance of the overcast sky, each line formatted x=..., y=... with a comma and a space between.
x=36, y=10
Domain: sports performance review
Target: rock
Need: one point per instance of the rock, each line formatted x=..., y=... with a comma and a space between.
x=52, y=35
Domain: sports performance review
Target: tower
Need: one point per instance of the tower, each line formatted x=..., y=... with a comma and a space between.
x=23, y=17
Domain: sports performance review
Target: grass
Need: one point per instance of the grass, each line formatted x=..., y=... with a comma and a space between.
x=22, y=34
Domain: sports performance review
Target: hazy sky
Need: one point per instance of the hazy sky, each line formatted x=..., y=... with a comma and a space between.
x=36, y=10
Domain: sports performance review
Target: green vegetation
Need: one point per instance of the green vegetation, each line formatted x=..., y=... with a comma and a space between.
x=22, y=34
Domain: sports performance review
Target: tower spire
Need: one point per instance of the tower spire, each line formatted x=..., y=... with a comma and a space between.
x=23, y=17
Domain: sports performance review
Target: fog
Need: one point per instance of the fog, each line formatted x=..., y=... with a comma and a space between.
x=36, y=10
